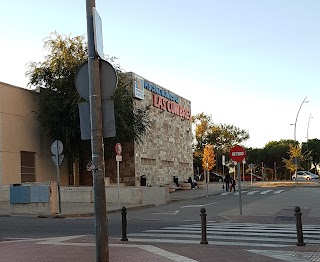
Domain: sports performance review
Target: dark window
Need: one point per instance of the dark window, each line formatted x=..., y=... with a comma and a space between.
x=28, y=170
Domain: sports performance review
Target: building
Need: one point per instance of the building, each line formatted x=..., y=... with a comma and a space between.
x=166, y=151
x=24, y=155
x=164, y=156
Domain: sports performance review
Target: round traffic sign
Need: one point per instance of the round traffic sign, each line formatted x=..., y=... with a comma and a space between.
x=108, y=81
x=56, y=147
x=118, y=149
x=238, y=153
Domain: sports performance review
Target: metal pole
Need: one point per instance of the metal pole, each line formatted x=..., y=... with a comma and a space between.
x=58, y=178
x=207, y=180
x=251, y=173
x=100, y=212
x=118, y=181
x=124, y=224
x=307, y=142
x=243, y=162
x=299, y=226
x=239, y=182
x=203, y=226
x=295, y=137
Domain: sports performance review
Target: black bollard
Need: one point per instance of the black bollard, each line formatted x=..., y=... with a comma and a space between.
x=299, y=226
x=124, y=224
x=203, y=226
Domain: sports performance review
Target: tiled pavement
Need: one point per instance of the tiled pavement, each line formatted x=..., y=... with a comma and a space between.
x=81, y=249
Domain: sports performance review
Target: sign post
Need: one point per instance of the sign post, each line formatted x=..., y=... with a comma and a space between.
x=207, y=179
x=238, y=154
x=56, y=149
x=223, y=163
x=118, y=149
x=251, y=166
x=244, y=178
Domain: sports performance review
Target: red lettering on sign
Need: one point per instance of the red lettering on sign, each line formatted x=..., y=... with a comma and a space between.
x=155, y=101
x=170, y=106
x=176, y=108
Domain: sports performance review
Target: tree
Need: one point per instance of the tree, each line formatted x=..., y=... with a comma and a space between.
x=58, y=114
x=208, y=159
x=223, y=137
x=312, y=150
x=294, y=153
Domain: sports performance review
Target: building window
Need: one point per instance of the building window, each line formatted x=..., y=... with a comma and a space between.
x=148, y=161
x=28, y=170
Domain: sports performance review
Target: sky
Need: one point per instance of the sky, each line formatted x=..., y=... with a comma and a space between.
x=250, y=63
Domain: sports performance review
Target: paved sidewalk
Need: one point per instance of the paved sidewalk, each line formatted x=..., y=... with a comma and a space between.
x=87, y=209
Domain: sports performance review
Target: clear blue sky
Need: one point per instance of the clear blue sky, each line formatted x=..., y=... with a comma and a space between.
x=249, y=63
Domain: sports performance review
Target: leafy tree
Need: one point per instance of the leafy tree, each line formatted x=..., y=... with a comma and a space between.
x=58, y=100
x=271, y=155
x=294, y=153
x=312, y=151
x=208, y=159
x=58, y=114
x=223, y=137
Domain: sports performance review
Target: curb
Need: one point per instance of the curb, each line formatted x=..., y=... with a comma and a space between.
x=116, y=210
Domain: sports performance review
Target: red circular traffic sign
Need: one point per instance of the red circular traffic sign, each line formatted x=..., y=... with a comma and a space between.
x=118, y=149
x=237, y=153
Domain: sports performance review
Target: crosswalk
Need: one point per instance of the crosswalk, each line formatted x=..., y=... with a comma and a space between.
x=231, y=234
x=253, y=192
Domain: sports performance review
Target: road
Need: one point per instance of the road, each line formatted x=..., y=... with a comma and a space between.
x=186, y=212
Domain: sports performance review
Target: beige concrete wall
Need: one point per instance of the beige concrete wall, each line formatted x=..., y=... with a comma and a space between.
x=167, y=148
x=19, y=132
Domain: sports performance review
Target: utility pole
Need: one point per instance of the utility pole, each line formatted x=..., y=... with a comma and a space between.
x=100, y=212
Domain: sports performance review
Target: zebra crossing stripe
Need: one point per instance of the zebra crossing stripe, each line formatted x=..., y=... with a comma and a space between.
x=231, y=234
x=221, y=243
x=278, y=191
x=265, y=192
x=252, y=192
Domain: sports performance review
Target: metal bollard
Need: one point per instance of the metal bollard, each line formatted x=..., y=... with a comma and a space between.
x=124, y=224
x=299, y=226
x=203, y=226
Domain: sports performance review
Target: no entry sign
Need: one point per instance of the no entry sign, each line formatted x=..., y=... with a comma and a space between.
x=238, y=153
x=118, y=149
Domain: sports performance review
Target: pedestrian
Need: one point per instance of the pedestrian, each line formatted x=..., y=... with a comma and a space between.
x=227, y=180
x=233, y=185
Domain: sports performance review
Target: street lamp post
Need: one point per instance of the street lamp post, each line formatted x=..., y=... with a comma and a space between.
x=295, y=138
x=308, y=141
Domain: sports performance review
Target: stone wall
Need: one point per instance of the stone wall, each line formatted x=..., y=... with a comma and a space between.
x=167, y=147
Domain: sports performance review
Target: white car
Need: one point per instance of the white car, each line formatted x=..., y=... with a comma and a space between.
x=304, y=175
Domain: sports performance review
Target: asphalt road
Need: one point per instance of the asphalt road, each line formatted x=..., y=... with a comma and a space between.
x=186, y=212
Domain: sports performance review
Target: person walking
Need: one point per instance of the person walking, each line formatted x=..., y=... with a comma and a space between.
x=227, y=180
x=233, y=185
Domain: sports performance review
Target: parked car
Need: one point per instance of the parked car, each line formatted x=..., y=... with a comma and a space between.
x=198, y=177
x=304, y=175
x=215, y=177
x=247, y=177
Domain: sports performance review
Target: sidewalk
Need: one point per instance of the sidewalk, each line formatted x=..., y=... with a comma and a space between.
x=305, y=196
x=87, y=209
